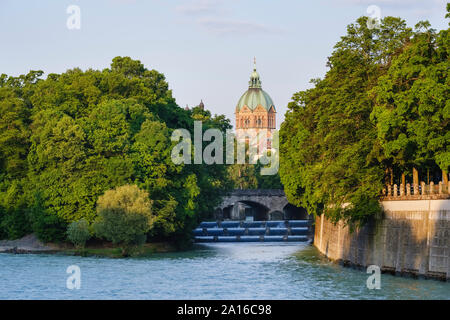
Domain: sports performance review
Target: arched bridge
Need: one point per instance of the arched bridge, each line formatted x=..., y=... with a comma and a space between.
x=259, y=215
x=258, y=205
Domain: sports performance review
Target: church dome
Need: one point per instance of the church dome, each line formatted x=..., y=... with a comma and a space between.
x=255, y=95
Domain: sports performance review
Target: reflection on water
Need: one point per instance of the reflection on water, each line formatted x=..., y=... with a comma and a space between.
x=212, y=271
x=254, y=252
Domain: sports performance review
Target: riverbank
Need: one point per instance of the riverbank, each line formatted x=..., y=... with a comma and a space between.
x=410, y=239
x=30, y=244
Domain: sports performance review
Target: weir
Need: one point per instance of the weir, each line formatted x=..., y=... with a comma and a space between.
x=253, y=231
x=255, y=215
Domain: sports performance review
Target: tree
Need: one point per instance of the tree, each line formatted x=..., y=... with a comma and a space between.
x=267, y=181
x=330, y=159
x=248, y=176
x=243, y=176
x=14, y=147
x=47, y=226
x=78, y=233
x=380, y=110
x=74, y=135
x=77, y=134
x=412, y=108
x=124, y=216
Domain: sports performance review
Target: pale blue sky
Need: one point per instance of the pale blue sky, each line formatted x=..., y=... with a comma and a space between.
x=204, y=47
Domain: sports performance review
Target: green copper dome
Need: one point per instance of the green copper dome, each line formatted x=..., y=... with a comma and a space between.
x=255, y=95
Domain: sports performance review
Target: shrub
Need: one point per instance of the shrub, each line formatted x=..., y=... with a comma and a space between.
x=124, y=216
x=78, y=233
x=14, y=223
x=49, y=227
x=14, y=219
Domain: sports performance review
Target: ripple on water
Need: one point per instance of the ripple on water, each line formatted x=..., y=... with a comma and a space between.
x=211, y=271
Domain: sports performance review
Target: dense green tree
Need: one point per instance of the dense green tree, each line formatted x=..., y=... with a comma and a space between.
x=14, y=129
x=250, y=176
x=14, y=222
x=45, y=224
x=381, y=109
x=204, y=184
x=269, y=181
x=14, y=145
x=412, y=111
x=243, y=176
x=330, y=158
x=74, y=135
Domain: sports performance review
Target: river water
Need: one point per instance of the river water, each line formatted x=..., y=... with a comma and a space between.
x=213, y=271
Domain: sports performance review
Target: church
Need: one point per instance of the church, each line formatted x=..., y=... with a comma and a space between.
x=255, y=112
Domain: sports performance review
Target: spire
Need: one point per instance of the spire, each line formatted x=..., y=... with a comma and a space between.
x=201, y=105
x=254, y=77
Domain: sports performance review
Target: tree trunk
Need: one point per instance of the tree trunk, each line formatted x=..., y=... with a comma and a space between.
x=403, y=179
x=415, y=177
x=444, y=177
x=391, y=172
x=386, y=177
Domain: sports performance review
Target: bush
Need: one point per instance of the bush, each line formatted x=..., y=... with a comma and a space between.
x=124, y=216
x=14, y=223
x=78, y=233
x=14, y=218
x=49, y=227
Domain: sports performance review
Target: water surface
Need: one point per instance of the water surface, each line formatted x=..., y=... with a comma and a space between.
x=213, y=271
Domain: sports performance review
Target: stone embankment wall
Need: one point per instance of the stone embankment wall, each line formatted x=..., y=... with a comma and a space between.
x=413, y=237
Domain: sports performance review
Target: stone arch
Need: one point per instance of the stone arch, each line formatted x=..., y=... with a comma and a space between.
x=276, y=215
x=292, y=212
x=227, y=212
x=269, y=202
x=259, y=210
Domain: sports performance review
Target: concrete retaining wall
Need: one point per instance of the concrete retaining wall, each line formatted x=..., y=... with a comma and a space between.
x=413, y=237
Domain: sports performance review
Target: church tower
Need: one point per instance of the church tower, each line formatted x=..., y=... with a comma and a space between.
x=255, y=111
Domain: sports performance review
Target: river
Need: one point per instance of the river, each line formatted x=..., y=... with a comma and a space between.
x=213, y=271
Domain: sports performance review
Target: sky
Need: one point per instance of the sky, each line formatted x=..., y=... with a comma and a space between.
x=205, y=48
